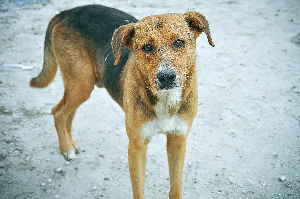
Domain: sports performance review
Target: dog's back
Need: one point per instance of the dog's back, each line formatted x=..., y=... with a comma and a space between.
x=93, y=27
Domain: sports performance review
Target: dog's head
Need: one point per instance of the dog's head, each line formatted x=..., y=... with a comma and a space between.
x=163, y=46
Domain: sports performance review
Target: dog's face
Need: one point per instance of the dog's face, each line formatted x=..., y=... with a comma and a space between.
x=164, y=47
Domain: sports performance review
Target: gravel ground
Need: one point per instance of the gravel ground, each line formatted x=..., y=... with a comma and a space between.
x=244, y=142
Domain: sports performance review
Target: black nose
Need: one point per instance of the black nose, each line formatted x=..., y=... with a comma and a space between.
x=166, y=78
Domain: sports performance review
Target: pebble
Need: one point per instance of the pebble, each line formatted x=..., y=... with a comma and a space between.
x=288, y=184
x=282, y=178
x=59, y=170
x=32, y=168
x=94, y=188
x=28, y=158
x=249, y=181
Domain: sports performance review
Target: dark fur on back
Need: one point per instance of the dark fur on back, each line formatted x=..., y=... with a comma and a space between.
x=96, y=25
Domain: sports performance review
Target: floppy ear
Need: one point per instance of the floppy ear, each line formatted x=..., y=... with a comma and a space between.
x=122, y=37
x=198, y=24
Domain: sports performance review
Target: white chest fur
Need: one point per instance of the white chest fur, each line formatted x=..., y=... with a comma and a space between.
x=163, y=123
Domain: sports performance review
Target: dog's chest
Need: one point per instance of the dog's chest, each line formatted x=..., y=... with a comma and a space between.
x=164, y=123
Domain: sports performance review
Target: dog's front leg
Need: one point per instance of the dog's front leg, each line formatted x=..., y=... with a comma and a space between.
x=176, y=147
x=137, y=167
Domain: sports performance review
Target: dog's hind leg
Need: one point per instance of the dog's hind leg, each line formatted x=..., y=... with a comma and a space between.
x=78, y=72
x=64, y=113
x=69, y=130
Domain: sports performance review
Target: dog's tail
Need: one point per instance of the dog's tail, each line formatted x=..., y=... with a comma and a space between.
x=48, y=72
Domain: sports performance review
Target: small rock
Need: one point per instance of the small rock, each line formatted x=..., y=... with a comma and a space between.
x=244, y=192
x=275, y=155
x=249, y=181
x=44, y=189
x=32, y=168
x=282, y=178
x=1, y=166
x=288, y=184
x=106, y=178
x=49, y=112
x=231, y=179
x=94, y=188
x=218, y=155
x=43, y=184
x=76, y=168
x=296, y=39
x=219, y=85
x=28, y=158
x=59, y=170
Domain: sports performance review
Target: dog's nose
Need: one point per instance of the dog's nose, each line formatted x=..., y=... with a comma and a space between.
x=166, y=79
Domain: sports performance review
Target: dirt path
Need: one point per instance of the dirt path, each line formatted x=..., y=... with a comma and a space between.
x=244, y=142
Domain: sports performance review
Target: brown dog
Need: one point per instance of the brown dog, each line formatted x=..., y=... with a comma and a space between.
x=152, y=76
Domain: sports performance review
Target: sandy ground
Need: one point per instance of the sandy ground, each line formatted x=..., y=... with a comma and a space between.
x=245, y=140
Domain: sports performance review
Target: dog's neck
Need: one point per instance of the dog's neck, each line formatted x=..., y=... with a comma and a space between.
x=167, y=99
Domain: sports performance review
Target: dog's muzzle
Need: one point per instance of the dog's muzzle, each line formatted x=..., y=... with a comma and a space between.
x=167, y=78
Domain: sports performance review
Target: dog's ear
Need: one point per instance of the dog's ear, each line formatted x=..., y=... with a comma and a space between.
x=122, y=37
x=198, y=24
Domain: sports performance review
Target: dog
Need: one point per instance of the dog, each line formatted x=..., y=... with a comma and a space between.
x=148, y=67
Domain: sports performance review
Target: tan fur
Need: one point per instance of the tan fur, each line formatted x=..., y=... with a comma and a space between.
x=141, y=70
x=140, y=92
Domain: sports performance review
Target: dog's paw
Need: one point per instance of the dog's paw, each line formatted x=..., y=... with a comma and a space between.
x=76, y=149
x=70, y=155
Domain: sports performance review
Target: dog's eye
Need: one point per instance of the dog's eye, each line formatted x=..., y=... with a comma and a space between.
x=178, y=43
x=148, y=48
